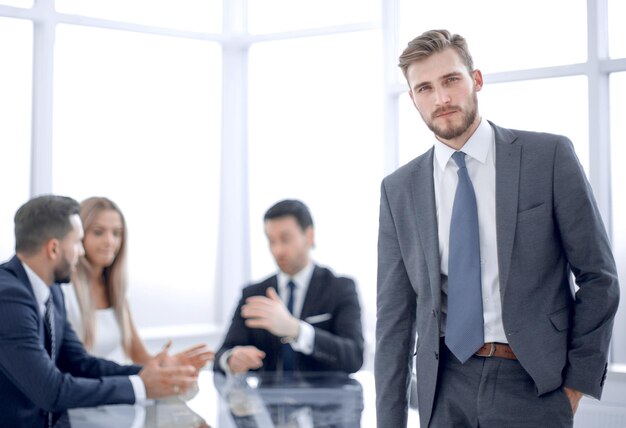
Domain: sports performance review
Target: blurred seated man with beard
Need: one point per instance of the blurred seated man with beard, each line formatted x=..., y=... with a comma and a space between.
x=303, y=318
x=44, y=368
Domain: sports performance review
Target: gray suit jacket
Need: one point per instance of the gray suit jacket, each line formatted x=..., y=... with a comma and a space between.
x=547, y=225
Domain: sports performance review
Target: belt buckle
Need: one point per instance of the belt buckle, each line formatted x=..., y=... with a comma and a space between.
x=492, y=350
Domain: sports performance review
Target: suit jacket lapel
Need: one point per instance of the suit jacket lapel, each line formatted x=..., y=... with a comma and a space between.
x=508, y=158
x=272, y=340
x=423, y=191
x=315, y=287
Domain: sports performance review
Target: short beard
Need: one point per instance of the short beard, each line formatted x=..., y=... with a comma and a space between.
x=451, y=133
x=62, y=274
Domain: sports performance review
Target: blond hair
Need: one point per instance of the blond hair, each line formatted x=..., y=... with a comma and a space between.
x=431, y=42
x=114, y=279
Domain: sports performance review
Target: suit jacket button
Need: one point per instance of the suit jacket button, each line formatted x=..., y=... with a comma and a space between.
x=436, y=355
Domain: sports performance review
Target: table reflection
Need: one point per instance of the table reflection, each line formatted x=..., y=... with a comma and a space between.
x=298, y=400
x=168, y=413
x=333, y=400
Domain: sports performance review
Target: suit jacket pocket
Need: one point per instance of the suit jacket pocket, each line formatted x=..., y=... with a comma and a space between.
x=316, y=319
x=532, y=212
x=560, y=319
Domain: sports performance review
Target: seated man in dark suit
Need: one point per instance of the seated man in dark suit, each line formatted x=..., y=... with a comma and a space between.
x=44, y=369
x=315, y=324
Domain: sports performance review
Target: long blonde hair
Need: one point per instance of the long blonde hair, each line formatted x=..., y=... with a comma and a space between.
x=114, y=278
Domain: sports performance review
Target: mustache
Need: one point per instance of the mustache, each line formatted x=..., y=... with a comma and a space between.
x=443, y=110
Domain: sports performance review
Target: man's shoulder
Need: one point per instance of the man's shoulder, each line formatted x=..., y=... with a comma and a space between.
x=10, y=284
x=8, y=267
x=405, y=171
x=261, y=286
x=17, y=301
x=326, y=275
x=529, y=139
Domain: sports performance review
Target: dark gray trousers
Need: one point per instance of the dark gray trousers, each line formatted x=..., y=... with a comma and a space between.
x=494, y=393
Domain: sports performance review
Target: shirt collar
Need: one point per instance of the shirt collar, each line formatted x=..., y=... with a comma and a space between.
x=477, y=147
x=41, y=290
x=301, y=279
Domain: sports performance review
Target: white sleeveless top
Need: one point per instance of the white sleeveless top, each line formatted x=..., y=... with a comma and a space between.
x=108, y=336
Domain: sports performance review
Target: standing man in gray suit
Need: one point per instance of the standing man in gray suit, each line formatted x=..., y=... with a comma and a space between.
x=478, y=239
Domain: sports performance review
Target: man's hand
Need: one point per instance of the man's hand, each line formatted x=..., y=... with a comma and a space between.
x=244, y=358
x=574, y=397
x=269, y=313
x=162, y=381
x=196, y=356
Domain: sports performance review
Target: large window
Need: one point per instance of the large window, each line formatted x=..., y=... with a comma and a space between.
x=18, y=3
x=526, y=105
x=272, y=16
x=617, y=29
x=15, y=103
x=137, y=119
x=191, y=15
x=180, y=110
x=315, y=112
x=505, y=35
x=618, y=155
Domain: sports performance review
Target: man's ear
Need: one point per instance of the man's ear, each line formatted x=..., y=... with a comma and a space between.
x=53, y=248
x=309, y=232
x=477, y=77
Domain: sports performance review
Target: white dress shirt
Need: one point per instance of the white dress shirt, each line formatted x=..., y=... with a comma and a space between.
x=41, y=290
x=481, y=166
x=42, y=293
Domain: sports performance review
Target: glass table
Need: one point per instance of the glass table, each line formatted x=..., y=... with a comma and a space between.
x=251, y=400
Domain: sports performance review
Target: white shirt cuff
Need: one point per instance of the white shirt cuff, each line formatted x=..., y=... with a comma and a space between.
x=138, y=388
x=223, y=362
x=306, y=339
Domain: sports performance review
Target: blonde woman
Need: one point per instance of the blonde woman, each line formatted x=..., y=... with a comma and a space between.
x=96, y=299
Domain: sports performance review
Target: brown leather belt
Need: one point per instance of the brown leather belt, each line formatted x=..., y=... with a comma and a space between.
x=493, y=349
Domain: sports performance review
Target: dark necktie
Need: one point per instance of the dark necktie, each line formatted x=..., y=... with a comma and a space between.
x=50, y=341
x=464, y=324
x=288, y=352
x=50, y=333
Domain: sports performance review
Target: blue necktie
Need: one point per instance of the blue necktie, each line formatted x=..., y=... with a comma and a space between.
x=288, y=352
x=464, y=324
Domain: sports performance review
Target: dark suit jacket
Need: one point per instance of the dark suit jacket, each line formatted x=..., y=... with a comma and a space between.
x=31, y=384
x=547, y=226
x=338, y=340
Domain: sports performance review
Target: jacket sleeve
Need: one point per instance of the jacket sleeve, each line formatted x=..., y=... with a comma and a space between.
x=25, y=362
x=342, y=348
x=589, y=255
x=237, y=335
x=395, y=324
